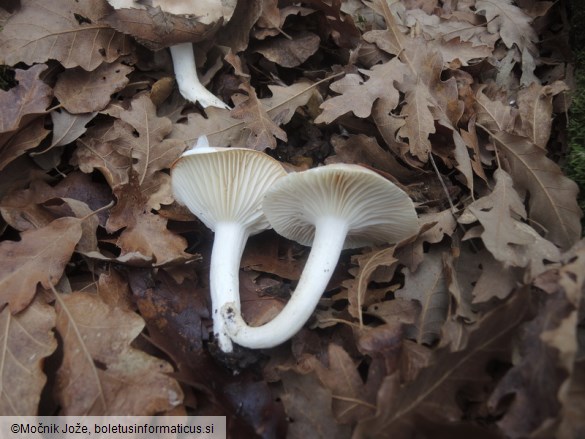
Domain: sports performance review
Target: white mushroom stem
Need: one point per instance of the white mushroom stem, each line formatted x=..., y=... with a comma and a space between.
x=330, y=233
x=187, y=79
x=228, y=246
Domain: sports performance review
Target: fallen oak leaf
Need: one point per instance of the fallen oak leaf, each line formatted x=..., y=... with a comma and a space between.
x=101, y=373
x=262, y=129
x=341, y=377
x=401, y=405
x=145, y=233
x=67, y=128
x=80, y=91
x=535, y=106
x=21, y=105
x=39, y=257
x=507, y=238
x=53, y=31
x=222, y=129
x=309, y=405
x=292, y=51
x=358, y=96
x=511, y=22
x=553, y=196
x=26, y=339
x=151, y=150
x=428, y=286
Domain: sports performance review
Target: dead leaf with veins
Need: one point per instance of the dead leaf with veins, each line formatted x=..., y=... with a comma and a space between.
x=101, y=373
x=27, y=340
x=40, y=256
x=60, y=30
x=19, y=131
x=80, y=91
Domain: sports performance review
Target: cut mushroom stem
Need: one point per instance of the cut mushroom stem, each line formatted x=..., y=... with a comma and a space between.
x=332, y=207
x=187, y=79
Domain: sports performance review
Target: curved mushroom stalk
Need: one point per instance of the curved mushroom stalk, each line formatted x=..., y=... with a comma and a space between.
x=224, y=187
x=329, y=239
x=332, y=207
x=187, y=79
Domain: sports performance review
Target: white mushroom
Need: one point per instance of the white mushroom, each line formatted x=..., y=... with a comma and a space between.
x=331, y=208
x=207, y=12
x=224, y=188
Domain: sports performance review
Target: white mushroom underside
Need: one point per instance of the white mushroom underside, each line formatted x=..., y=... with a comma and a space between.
x=377, y=211
x=226, y=186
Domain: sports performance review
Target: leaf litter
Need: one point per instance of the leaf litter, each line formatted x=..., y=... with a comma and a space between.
x=472, y=327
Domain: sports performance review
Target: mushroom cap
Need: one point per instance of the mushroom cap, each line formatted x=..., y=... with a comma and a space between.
x=377, y=211
x=206, y=11
x=225, y=184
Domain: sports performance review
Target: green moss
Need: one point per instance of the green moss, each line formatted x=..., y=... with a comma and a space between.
x=575, y=166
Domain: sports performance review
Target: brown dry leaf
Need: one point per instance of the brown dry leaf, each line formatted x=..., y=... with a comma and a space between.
x=24, y=210
x=420, y=122
x=261, y=298
x=85, y=92
x=39, y=257
x=20, y=106
x=461, y=307
x=157, y=29
x=485, y=277
x=270, y=20
x=493, y=114
x=270, y=254
x=553, y=196
x=113, y=289
x=439, y=384
x=358, y=96
x=511, y=22
x=428, y=286
x=572, y=281
x=507, y=238
x=150, y=148
x=101, y=374
x=145, y=233
x=434, y=228
x=262, y=129
x=222, y=129
x=290, y=52
x=396, y=311
x=549, y=345
x=236, y=33
x=308, y=404
x=364, y=150
x=342, y=379
x=26, y=339
x=42, y=30
x=28, y=137
x=98, y=149
x=368, y=264
x=137, y=139
x=535, y=105
x=392, y=39
x=457, y=53
x=429, y=98
x=68, y=127
x=176, y=315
